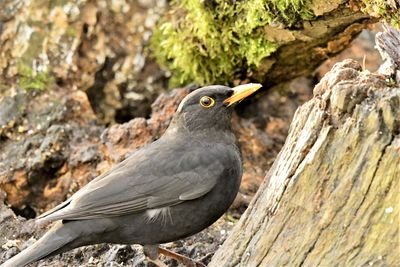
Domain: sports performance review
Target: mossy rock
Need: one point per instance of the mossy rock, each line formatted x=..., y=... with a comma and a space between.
x=211, y=42
x=30, y=79
x=221, y=41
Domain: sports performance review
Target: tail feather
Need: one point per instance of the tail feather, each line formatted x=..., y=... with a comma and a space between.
x=45, y=216
x=56, y=240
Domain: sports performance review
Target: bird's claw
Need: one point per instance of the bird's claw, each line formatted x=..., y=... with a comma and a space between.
x=188, y=262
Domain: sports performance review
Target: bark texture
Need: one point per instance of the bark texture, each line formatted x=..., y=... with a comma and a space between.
x=388, y=46
x=331, y=197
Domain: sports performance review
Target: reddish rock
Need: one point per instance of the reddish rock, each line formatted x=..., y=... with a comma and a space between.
x=42, y=144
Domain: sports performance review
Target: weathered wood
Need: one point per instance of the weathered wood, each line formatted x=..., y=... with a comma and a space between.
x=389, y=43
x=389, y=48
x=332, y=196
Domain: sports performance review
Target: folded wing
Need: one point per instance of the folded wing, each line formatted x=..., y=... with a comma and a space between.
x=153, y=177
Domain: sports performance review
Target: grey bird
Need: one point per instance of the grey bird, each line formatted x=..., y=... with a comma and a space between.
x=167, y=190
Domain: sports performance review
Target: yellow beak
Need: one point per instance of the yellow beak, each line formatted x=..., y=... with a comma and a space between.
x=241, y=92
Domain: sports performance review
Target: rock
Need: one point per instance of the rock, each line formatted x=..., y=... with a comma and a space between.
x=97, y=47
x=41, y=141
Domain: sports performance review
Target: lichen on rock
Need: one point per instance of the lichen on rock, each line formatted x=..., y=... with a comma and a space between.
x=30, y=79
x=99, y=47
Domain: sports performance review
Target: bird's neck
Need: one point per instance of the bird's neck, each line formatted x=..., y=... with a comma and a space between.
x=199, y=125
x=217, y=134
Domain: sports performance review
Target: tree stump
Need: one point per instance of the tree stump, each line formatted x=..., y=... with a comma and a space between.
x=332, y=196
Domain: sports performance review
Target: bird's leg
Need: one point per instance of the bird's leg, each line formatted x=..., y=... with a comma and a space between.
x=151, y=253
x=180, y=258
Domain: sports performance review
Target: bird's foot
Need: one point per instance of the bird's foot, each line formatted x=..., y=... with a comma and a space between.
x=188, y=262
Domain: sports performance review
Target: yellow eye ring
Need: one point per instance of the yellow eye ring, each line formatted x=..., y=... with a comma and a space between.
x=207, y=102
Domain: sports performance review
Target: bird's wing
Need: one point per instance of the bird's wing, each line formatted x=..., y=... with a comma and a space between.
x=154, y=177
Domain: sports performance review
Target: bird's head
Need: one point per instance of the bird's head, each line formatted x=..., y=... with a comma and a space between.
x=210, y=107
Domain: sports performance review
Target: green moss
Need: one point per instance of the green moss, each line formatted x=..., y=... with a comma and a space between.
x=71, y=32
x=388, y=10
x=28, y=79
x=214, y=41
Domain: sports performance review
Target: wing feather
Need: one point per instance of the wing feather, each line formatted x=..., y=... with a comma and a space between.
x=156, y=178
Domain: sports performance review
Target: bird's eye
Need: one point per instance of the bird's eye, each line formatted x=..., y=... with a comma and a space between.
x=207, y=102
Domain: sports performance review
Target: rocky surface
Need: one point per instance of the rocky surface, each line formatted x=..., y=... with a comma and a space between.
x=95, y=47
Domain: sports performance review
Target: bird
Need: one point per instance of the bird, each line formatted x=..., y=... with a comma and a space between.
x=167, y=190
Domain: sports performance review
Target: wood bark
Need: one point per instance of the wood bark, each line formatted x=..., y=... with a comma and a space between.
x=332, y=196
